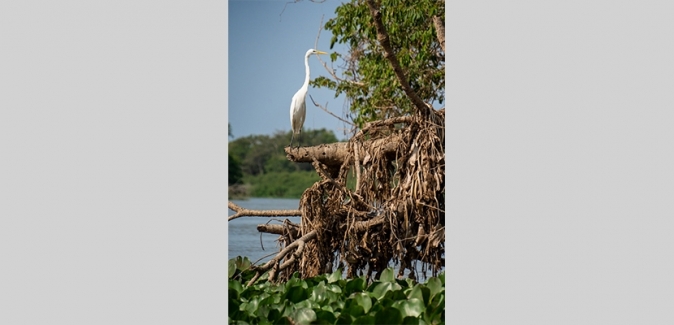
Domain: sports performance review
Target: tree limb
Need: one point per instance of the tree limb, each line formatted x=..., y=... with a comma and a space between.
x=298, y=243
x=357, y=165
x=326, y=110
x=334, y=154
x=243, y=212
x=276, y=229
x=440, y=31
x=380, y=123
x=382, y=37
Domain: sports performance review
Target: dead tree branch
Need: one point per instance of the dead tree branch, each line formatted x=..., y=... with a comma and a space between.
x=299, y=243
x=277, y=229
x=440, y=31
x=243, y=212
x=327, y=111
x=330, y=70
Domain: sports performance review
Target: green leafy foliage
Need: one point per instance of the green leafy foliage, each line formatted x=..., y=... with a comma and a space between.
x=367, y=78
x=234, y=170
x=330, y=299
x=259, y=161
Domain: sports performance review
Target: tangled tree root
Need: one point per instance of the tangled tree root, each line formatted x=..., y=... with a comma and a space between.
x=395, y=213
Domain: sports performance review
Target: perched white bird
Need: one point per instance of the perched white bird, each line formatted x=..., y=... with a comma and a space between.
x=298, y=107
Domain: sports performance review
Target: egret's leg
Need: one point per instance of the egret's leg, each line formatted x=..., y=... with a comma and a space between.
x=299, y=141
x=291, y=139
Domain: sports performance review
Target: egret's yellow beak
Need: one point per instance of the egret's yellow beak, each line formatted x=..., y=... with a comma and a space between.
x=320, y=52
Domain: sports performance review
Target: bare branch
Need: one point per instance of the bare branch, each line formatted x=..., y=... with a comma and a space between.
x=380, y=123
x=357, y=166
x=440, y=31
x=330, y=70
x=276, y=229
x=361, y=226
x=326, y=110
x=299, y=242
x=320, y=27
x=382, y=37
x=243, y=212
x=296, y=1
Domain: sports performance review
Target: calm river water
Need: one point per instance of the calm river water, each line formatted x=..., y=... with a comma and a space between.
x=244, y=239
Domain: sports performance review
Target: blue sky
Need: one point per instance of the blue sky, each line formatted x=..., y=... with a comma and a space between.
x=266, y=65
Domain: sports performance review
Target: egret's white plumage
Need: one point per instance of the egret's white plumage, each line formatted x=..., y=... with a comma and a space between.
x=298, y=107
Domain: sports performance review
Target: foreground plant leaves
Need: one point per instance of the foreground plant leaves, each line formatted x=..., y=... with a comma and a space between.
x=304, y=316
x=355, y=285
x=380, y=289
x=329, y=299
x=363, y=300
x=412, y=307
x=388, y=315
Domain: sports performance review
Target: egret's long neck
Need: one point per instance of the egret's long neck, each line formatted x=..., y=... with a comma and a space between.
x=306, y=66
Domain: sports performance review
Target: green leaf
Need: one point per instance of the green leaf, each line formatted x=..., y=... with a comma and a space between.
x=232, y=267
x=233, y=305
x=409, y=320
x=381, y=289
x=236, y=285
x=412, y=307
x=328, y=317
x=420, y=291
x=335, y=276
x=337, y=305
x=363, y=300
x=239, y=322
x=304, y=316
x=334, y=288
x=233, y=294
x=251, y=307
x=307, y=304
x=319, y=293
x=344, y=319
x=435, y=285
x=296, y=294
x=396, y=295
x=271, y=299
x=355, y=285
x=387, y=275
x=242, y=263
x=386, y=302
x=365, y=320
x=388, y=315
x=353, y=309
x=274, y=315
x=438, y=301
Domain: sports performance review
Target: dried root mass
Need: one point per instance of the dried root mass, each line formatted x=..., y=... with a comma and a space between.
x=394, y=214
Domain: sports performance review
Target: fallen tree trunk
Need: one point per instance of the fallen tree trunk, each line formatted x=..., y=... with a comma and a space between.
x=334, y=154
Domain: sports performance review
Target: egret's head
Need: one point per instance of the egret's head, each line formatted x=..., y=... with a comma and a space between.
x=317, y=52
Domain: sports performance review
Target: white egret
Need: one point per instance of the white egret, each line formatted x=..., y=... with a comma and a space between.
x=298, y=107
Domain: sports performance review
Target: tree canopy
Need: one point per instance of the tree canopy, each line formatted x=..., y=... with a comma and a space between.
x=366, y=77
